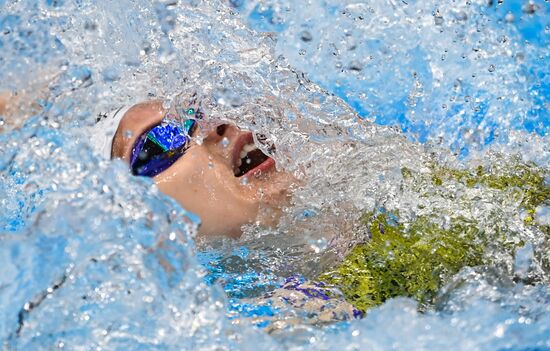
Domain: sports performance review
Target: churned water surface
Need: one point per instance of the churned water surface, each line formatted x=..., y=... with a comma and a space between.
x=420, y=121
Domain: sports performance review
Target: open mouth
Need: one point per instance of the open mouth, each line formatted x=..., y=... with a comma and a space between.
x=250, y=158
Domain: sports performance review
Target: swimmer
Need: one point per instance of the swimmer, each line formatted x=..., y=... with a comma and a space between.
x=223, y=178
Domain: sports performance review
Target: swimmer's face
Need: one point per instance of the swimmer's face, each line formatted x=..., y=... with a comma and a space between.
x=206, y=180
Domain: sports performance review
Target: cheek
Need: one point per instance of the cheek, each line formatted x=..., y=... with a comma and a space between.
x=210, y=190
x=204, y=194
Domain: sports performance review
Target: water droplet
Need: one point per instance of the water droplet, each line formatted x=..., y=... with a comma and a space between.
x=146, y=48
x=166, y=104
x=306, y=36
x=319, y=245
x=529, y=8
x=502, y=39
x=509, y=17
x=111, y=74
x=523, y=259
x=2, y=121
x=438, y=19
x=236, y=3
x=519, y=58
x=461, y=15
x=54, y=3
x=235, y=101
x=355, y=66
x=244, y=181
x=128, y=134
x=542, y=215
x=210, y=165
x=90, y=25
x=302, y=52
x=491, y=68
x=225, y=142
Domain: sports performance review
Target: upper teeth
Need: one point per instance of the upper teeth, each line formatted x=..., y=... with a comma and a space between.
x=246, y=149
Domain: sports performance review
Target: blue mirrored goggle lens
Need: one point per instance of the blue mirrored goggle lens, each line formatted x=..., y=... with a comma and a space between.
x=160, y=147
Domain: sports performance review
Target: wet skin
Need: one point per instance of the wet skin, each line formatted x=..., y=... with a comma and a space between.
x=203, y=180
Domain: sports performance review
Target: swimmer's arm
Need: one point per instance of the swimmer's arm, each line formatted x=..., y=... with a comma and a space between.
x=7, y=107
x=17, y=105
x=4, y=100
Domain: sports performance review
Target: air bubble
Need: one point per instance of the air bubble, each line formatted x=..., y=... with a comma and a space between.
x=491, y=68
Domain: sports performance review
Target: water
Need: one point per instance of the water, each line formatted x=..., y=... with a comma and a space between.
x=96, y=259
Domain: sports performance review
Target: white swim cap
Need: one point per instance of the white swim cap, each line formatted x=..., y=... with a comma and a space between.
x=104, y=130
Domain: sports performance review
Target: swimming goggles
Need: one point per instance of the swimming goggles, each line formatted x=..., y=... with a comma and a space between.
x=161, y=146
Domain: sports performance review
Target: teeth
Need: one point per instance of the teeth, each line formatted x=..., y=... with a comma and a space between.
x=249, y=147
x=246, y=149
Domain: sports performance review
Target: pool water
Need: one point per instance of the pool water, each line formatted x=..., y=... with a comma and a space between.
x=419, y=129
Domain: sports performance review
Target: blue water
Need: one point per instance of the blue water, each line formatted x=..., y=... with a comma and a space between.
x=93, y=258
x=384, y=97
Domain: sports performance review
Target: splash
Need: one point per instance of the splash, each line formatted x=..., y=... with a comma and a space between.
x=97, y=259
x=464, y=75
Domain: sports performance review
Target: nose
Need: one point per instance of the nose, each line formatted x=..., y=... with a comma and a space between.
x=217, y=134
x=221, y=140
x=220, y=130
